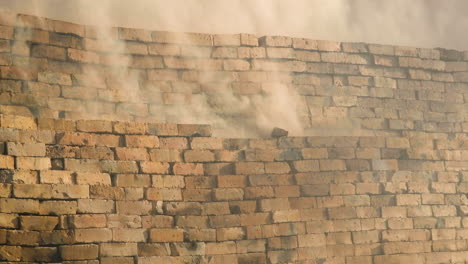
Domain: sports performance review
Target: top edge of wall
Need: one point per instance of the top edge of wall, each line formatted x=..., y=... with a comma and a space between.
x=10, y=18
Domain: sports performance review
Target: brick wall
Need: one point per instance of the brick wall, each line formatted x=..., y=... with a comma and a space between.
x=136, y=187
x=77, y=192
x=56, y=69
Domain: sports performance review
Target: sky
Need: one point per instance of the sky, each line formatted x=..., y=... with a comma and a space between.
x=422, y=23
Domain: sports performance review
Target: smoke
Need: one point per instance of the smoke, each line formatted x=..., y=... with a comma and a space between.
x=417, y=23
x=422, y=23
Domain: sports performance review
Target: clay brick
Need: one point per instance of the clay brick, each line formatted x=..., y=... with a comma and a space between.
x=173, y=143
x=90, y=235
x=170, y=181
x=194, y=130
x=132, y=180
x=157, y=221
x=221, y=248
x=41, y=254
x=165, y=155
x=95, y=206
x=129, y=128
x=94, y=126
x=188, y=169
x=134, y=207
x=277, y=167
x=199, y=156
x=342, y=189
x=231, y=181
x=131, y=153
x=332, y=165
x=286, y=216
x=185, y=208
x=10, y=253
x=154, y=167
x=30, y=163
x=39, y=223
x=122, y=221
x=128, y=235
x=227, y=194
x=79, y=252
x=88, y=221
x=206, y=143
x=163, y=194
x=142, y=141
x=33, y=191
x=64, y=191
x=57, y=207
x=106, y=192
x=249, y=168
x=7, y=162
x=118, y=250
x=92, y=178
x=232, y=233
x=166, y=235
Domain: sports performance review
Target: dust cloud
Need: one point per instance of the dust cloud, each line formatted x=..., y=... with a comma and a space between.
x=422, y=23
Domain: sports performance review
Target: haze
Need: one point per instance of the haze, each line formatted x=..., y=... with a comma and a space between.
x=422, y=23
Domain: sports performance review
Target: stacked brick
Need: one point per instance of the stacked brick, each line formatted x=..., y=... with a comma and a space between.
x=89, y=192
x=56, y=69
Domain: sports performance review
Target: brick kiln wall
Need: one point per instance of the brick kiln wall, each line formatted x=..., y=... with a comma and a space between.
x=119, y=192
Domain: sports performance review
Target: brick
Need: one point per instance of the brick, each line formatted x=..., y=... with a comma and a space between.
x=131, y=154
x=199, y=156
x=227, y=194
x=90, y=235
x=79, y=252
x=39, y=223
x=118, y=249
x=231, y=181
x=98, y=153
x=57, y=207
x=129, y=128
x=92, y=178
x=88, y=221
x=275, y=41
x=286, y=216
x=277, y=167
x=94, y=126
x=94, y=206
x=173, y=142
x=165, y=155
x=128, y=235
x=163, y=194
x=154, y=167
x=332, y=165
x=134, y=207
x=142, y=141
x=10, y=253
x=7, y=162
x=188, y=169
x=166, y=235
x=221, y=248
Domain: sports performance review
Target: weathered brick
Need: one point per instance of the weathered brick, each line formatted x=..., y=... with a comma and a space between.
x=166, y=235
x=39, y=223
x=79, y=252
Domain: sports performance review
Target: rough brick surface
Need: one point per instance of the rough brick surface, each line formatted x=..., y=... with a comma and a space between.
x=145, y=185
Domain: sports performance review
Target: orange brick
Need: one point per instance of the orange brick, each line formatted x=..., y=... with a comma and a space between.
x=249, y=168
x=166, y=235
x=131, y=153
x=188, y=169
x=154, y=167
x=142, y=141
